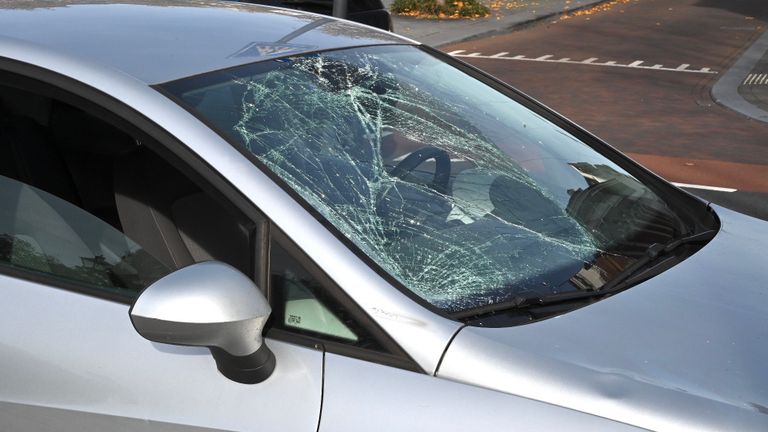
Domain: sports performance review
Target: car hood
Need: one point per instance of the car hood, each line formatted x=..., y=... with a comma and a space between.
x=685, y=350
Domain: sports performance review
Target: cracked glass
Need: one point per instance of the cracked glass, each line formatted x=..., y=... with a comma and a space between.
x=463, y=195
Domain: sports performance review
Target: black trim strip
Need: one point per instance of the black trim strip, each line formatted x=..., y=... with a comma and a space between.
x=50, y=280
x=344, y=350
x=445, y=351
x=322, y=394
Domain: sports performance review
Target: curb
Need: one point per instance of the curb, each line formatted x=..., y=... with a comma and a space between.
x=725, y=91
x=512, y=23
x=522, y=25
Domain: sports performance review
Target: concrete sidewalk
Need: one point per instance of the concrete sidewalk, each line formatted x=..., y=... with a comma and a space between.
x=744, y=87
x=504, y=16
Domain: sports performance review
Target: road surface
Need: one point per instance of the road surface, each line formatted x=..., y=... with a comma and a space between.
x=638, y=74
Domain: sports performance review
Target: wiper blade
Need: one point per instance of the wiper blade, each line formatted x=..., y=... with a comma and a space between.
x=630, y=275
x=652, y=254
x=636, y=272
x=525, y=301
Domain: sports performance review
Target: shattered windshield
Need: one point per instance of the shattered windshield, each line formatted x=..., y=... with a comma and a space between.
x=460, y=193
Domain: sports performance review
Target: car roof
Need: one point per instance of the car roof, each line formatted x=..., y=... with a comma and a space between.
x=163, y=40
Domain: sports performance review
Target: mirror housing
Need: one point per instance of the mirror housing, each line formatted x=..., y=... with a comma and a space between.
x=214, y=305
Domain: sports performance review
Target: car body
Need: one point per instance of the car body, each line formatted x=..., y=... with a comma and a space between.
x=109, y=83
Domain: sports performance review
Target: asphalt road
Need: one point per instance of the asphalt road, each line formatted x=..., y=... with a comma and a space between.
x=638, y=73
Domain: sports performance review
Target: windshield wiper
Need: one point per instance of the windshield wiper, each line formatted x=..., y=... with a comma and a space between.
x=638, y=271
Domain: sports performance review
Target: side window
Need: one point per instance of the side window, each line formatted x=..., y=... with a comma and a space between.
x=303, y=303
x=43, y=233
x=86, y=203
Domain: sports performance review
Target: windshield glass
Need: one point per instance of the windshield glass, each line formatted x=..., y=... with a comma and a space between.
x=462, y=194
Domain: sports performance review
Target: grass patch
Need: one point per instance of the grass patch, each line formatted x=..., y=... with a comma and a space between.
x=432, y=9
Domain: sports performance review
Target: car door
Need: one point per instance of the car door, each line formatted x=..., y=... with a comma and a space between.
x=87, y=222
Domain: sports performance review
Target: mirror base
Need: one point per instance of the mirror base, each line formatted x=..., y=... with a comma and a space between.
x=250, y=369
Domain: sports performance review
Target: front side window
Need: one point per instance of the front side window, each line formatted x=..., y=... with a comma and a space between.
x=303, y=304
x=88, y=204
x=463, y=195
x=42, y=233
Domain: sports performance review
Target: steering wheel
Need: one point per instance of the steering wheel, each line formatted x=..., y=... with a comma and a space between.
x=442, y=166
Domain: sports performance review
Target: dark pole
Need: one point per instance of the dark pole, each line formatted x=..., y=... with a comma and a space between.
x=340, y=8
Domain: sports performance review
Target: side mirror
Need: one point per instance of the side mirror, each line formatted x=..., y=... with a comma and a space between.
x=214, y=305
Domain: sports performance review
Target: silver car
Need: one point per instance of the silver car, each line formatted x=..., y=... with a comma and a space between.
x=218, y=216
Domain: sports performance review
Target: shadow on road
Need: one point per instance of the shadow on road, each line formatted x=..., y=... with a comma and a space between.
x=751, y=8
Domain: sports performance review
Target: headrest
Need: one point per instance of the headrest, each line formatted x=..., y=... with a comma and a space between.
x=77, y=130
x=18, y=102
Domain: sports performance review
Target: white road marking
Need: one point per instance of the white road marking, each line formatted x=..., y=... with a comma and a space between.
x=592, y=61
x=712, y=188
x=756, y=79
